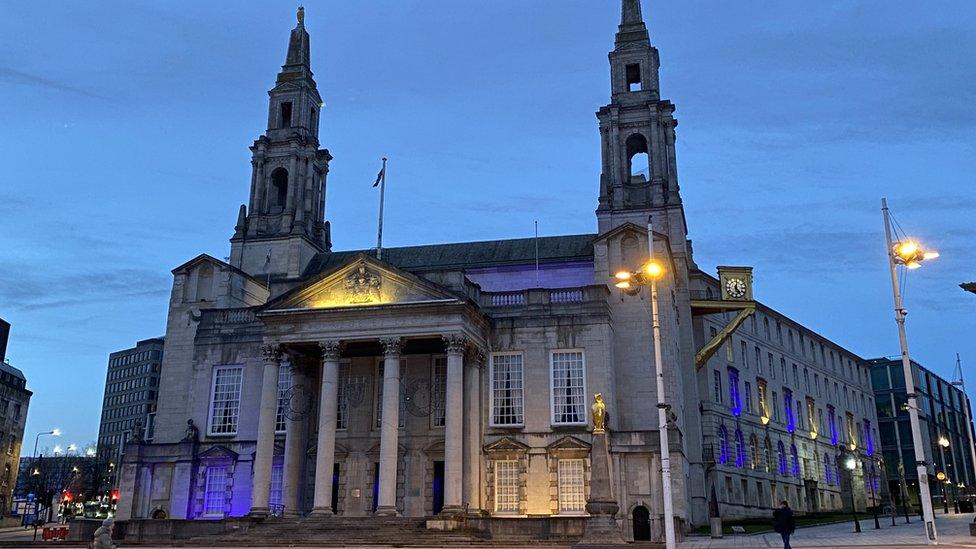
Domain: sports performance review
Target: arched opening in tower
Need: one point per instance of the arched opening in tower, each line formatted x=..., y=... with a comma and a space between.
x=279, y=190
x=638, y=159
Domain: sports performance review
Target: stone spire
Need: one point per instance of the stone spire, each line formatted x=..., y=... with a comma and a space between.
x=297, y=61
x=632, y=27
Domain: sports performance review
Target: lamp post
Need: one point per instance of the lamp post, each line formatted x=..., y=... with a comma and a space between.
x=631, y=283
x=891, y=496
x=943, y=444
x=910, y=254
x=851, y=464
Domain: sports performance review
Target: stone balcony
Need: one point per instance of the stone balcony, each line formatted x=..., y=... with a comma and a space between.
x=593, y=299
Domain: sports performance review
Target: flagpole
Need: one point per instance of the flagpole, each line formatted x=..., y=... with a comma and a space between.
x=379, y=231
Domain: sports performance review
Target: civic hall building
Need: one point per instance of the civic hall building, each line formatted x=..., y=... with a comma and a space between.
x=299, y=379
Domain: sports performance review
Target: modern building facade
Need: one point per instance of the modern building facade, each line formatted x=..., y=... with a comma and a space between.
x=129, y=404
x=14, y=400
x=784, y=412
x=945, y=414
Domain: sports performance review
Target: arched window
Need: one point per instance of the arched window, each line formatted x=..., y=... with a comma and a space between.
x=740, y=449
x=723, y=445
x=794, y=461
x=781, y=454
x=642, y=524
x=828, y=475
x=279, y=190
x=754, y=450
x=768, y=456
x=638, y=161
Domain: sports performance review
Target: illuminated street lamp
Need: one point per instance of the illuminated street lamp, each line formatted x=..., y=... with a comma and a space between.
x=90, y=452
x=943, y=444
x=631, y=283
x=909, y=252
x=851, y=464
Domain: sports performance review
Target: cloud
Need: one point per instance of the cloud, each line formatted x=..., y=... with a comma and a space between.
x=13, y=76
x=67, y=289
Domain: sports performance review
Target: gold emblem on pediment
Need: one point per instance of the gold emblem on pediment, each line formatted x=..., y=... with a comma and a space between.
x=362, y=286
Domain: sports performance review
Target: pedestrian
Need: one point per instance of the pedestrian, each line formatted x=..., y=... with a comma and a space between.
x=783, y=522
x=103, y=535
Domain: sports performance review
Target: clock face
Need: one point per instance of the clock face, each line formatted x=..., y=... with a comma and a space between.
x=735, y=287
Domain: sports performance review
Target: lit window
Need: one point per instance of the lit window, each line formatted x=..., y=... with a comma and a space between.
x=723, y=445
x=225, y=403
x=284, y=384
x=506, y=486
x=788, y=409
x=438, y=378
x=735, y=400
x=832, y=423
x=215, y=491
x=754, y=450
x=748, y=395
x=506, y=389
x=781, y=454
x=571, y=492
x=568, y=394
x=869, y=443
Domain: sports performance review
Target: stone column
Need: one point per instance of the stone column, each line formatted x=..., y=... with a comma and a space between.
x=294, y=445
x=472, y=431
x=328, y=406
x=254, y=186
x=264, y=453
x=453, y=422
x=389, y=430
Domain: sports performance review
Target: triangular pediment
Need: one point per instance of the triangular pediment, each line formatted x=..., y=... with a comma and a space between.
x=218, y=452
x=362, y=281
x=506, y=445
x=568, y=443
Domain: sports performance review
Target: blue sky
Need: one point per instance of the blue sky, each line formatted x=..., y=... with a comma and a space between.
x=125, y=129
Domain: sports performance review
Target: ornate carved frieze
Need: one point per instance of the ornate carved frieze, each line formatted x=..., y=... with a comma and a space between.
x=455, y=344
x=363, y=286
x=476, y=357
x=392, y=345
x=331, y=349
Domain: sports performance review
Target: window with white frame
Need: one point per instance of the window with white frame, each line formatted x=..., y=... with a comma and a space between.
x=379, y=397
x=506, y=389
x=438, y=390
x=506, y=486
x=277, y=480
x=571, y=491
x=215, y=491
x=284, y=384
x=568, y=394
x=342, y=397
x=225, y=401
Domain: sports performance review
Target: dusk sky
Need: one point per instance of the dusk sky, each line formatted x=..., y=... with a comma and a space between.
x=125, y=126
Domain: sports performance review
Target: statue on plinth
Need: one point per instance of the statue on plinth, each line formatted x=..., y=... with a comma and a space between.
x=602, y=529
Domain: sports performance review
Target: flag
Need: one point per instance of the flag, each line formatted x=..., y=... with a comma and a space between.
x=379, y=177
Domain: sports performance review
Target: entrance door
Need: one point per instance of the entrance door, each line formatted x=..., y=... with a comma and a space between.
x=335, y=488
x=642, y=523
x=437, y=487
x=813, y=503
x=376, y=485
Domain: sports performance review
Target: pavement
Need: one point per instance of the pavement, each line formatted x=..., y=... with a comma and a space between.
x=953, y=531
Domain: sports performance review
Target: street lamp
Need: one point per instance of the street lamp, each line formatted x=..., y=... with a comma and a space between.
x=851, y=464
x=910, y=253
x=874, y=502
x=54, y=432
x=90, y=452
x=630, y=283
x=943, y=444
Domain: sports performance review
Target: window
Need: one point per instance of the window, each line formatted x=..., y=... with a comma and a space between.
x=772, y=371
x=729, y=353
x=828, y=470
x=342, y=397
x=754, y=451
x=633, y=77
x=735, y=400
x=740, y=449
x=766, y=327
x=571, y=493
x=215, y=491
x=744, y=350
x=775, y=406
x=438, y=378
x=781, y=454
x=779, y=333
x=832, y=423
x=794, y=461
x=763, y=402
x=506, y=389
x=285, y=115
x=506, y=485
x=277, y=478
x=279, y=190
x=380, y=381
x=748, y=387
x=717, y=386
x=225, y=402
x=792, y=341
x=782, y=369
x=869, y=443
x=759, y=368
x=811, y=417
x=284, y=384
x=723, y=445
x=568, y=393
x=767, y=456
x=788, y=410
